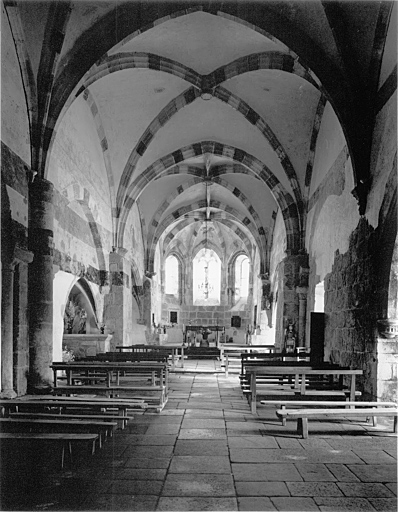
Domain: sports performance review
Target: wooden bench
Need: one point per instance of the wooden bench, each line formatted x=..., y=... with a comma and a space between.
x=153, y=351
x=302, y=415
x=283, y=404
x=60, y=425
x=301, y=382
x=159, y=398
x=156, y=372
x=158, y=356
x=230, y=353
x=120, y=420
x=60, y=404
x=249, y=361
x=65, y=439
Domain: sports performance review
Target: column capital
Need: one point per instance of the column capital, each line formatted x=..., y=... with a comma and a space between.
x=302, y=291
x=388, y=328
x=121, y=251
x=41, y=188
x=22, y=255
x=8, y=393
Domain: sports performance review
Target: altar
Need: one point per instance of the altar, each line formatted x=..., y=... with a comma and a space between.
x=197, y=334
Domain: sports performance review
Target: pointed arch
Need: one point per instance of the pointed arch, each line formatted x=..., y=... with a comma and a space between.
x=248, y=164
x=88, y=97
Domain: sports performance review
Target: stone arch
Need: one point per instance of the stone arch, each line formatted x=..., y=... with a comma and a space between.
x=180, y=212
x=185, y=221
x=251, y=164
x=176, y=252
x=185, y=186
x=25, y=66
x=210, y=245
x=132, y=20
x=104, y=147
x=195, y=235
x=264, y=60
x=387, y=242
x=231, y=274
x=81, y=294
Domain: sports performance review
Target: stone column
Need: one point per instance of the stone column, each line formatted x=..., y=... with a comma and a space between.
x=291, y=274
x=7, y=307
x=22, y=258
x=41, y=284
x=302, y=294
x=118, y=304
x=383, y=380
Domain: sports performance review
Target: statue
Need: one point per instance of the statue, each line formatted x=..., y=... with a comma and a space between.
x=290, y=339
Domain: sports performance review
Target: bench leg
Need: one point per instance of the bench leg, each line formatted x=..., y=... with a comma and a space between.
x=62, y=456
x=395, y=424
x=302, y=427
x=283, y=407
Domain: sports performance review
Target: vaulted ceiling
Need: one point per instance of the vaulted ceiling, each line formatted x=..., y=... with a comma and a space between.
x=206, y=110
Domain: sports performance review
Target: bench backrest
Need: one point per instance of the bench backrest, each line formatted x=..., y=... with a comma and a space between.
x=132, y=356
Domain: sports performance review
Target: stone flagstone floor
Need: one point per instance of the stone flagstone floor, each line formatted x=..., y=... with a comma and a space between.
x=206, y=452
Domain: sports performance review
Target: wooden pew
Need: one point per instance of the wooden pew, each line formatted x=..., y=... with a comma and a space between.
x=156, y=372
x=286, y=382
x=121, y=421
x=300, y=374
x=230, y=353
x=154, y=350
x=159, y=356
x=64, y=439
x=59, y=425
x=303, y=415
x=283, y=404
x=62, y=404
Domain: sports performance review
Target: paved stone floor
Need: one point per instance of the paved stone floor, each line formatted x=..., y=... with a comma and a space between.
x=206, y=452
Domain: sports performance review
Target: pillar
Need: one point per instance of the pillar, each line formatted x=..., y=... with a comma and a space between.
x=302, y=314
x=7, y=302
x=119, y=302
x=22, y=258
x=41, y=285
x=292, y=272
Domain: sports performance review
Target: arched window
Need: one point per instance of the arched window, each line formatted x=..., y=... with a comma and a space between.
x=206, y=278
x=172, y=275
x=242, y=268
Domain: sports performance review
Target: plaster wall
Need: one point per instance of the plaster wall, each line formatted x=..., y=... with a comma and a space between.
x=14, y=114
x=329, y=144
x=332, y=218
x=278, y=249
x=133, y=241
x=77, y=160
x=73, y=238
x=62, y=284
x=156, y=290
x=137, y=330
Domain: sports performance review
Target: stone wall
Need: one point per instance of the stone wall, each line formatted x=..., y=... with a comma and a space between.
x=83, y=345
x=352, y=305
x=212, y=315
x=14, y=240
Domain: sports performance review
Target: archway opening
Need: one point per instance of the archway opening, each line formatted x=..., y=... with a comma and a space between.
x=206, y=278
